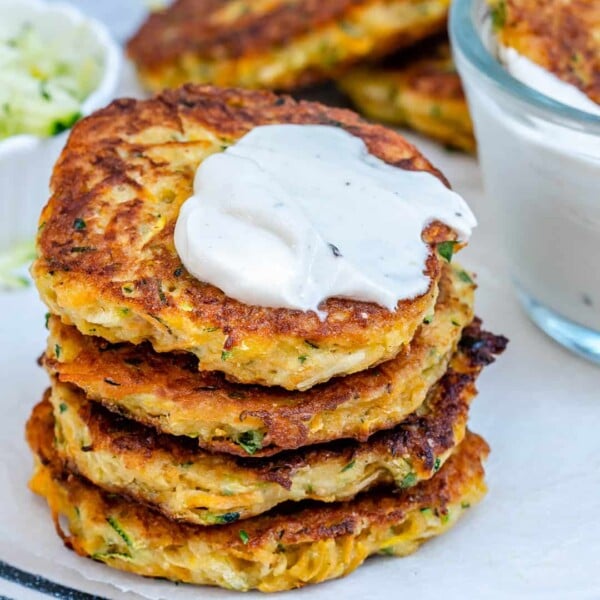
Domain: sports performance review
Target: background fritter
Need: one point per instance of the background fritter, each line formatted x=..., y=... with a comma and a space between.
x=281, y=550
x=107, y=261
x=185, y=483
x=561, y=36
x=274, y=44
x=416, y=88
x=168, y=392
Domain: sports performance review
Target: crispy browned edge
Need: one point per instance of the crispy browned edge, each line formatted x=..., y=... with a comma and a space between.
x=92, y=151
x=563, y=37
x=423, y=436
x=291, y=523
x=283, y=413
x=185, y=28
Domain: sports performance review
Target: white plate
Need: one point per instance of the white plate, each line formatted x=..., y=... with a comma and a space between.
x=536, y=535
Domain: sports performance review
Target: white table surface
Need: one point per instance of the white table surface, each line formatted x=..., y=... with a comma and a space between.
x=536, y=535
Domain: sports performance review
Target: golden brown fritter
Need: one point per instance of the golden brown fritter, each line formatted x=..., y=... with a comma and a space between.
x=561, y=36
x=167, y=391
x=417, y=88
x=107, y=261
x=275, y=44
x=185, y=483
x=283, y=549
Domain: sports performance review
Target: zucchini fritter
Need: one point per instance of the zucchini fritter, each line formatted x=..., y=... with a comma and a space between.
x=107, y=261
x=283, y=549
x=562, y=37
x=275, y=44
x=185, y=483
x=168, y=392
x=417, y=88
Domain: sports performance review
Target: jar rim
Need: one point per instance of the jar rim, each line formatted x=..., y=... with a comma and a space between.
x=465, y=18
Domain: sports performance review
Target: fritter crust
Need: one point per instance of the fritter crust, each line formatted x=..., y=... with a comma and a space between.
x=185, y=483
x=167, y=391
x=563, y=37
x=107, y=261
x=417, y=88
x=286, y=548
x=275, y=44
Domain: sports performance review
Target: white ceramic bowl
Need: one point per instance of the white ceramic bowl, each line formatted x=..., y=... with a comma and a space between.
x=26, y=161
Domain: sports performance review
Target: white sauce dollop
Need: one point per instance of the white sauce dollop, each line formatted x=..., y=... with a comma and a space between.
x=545, y=82
x=291, y=215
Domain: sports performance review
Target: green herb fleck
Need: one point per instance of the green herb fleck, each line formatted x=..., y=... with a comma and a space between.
x=498, y=14
x=57, y=350
x=455, y=323
x=127, y=289
x=425, y=510
x=211, y=329
x=159, y=320
x=161, y=294
x=44, y=93
x=387, y=551
x=445, y=517
x=122, y=534
x=437, y=464
x=435, y=111
x=80, y=249
x=464, y=276
x=251, y=441
x=79, y=224
x=348, y=466
x=409, y=481
x=465, y=505
x=302, y=358
x=230, y=517
x=62, y=407
x=329, y=54
x=225, y=355
x=428, y=319
x=244, y=537
x=46, y=320
x=60, y=126
x=349, y=28
x=446, y=250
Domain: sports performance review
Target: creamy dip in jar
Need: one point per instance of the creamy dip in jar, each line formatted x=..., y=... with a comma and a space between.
x=539, y=148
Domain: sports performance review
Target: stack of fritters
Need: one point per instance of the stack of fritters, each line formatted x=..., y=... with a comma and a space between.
x=290, y=44
x=189, y=436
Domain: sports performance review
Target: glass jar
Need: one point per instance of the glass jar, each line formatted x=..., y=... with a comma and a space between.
x=540, y=161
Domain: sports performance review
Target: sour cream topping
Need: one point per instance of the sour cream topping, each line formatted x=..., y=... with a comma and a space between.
x=545, y=82
x=291, y=215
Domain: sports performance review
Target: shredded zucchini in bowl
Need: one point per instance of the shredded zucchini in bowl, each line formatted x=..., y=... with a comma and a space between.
x=45, y=78
x=13, y=265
